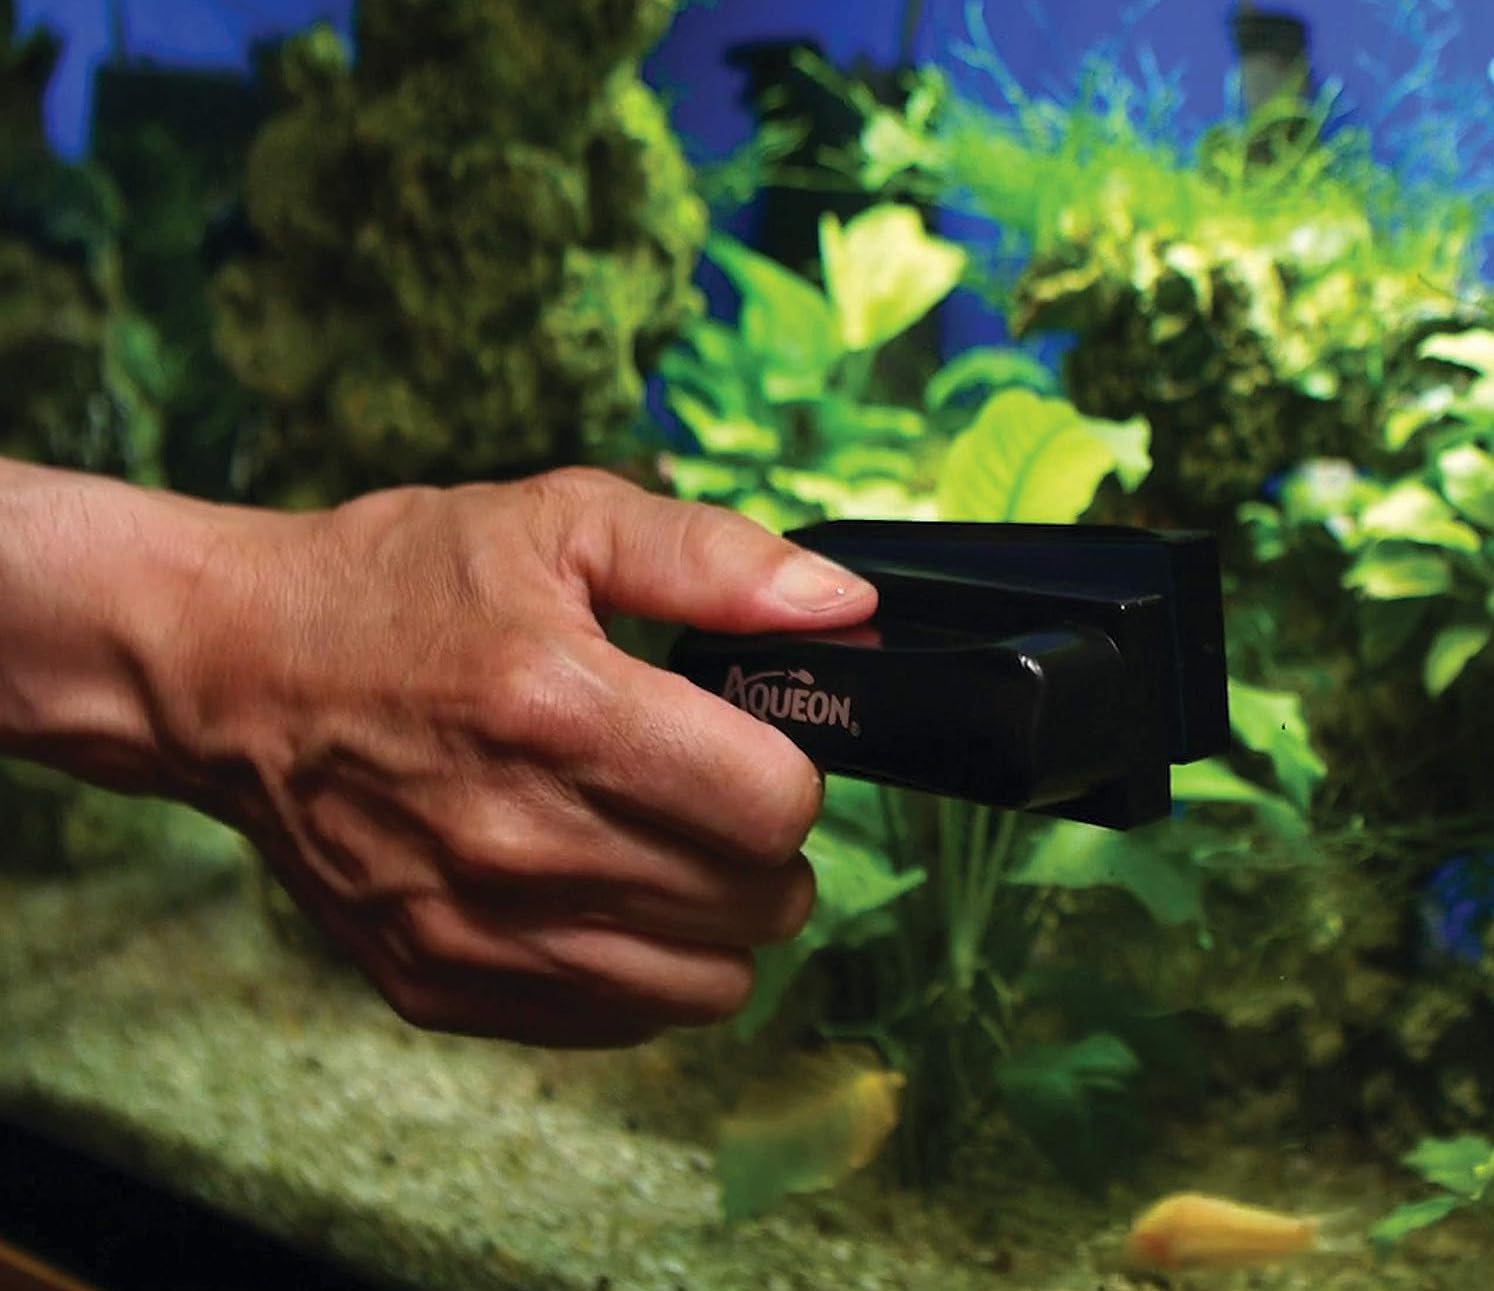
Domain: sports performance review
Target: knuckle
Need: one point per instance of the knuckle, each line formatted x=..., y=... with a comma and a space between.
x=570, y=488
x=796, y=803
x=488, y=845
x=536, y=698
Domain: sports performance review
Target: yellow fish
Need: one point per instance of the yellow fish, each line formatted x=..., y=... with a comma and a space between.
x=821, y=1116
x=1189, y=1230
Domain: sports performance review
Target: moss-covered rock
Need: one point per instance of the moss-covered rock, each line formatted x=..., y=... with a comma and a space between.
x=468, y=243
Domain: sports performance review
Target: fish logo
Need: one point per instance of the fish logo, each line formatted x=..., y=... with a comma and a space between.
x=794, y=699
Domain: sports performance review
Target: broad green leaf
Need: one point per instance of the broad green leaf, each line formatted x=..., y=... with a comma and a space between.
x=1405, y=422
x=1451, y=651
x=860, y=462
x=1025, y=457
x=1412, y=511
x=815, y=487
x=1462, y=1165
x=1398, y=575
x=1271, y=722
x=1129, y=442
x=1212, y=781
x=785, y=320
x=1071, y=855
x=884, y=271
x=1067, y=1098
x=1065, y=1072
x=1407, y=1219
x=987, y=369
x=853, y=879
x=726, y=436
x=1472, y=349
x=1468, y=482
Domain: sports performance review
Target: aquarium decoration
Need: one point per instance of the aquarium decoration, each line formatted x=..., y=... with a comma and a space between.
x=466, y=244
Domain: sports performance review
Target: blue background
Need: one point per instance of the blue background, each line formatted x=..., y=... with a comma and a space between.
x=1394, y=59
x=1354, y=40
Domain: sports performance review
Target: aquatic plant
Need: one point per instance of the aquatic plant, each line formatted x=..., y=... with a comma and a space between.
x=81, y=374
x=1416, y=543
x=937, y=913
x=791, y=412
x=1256, y=306
x=1462, y=1170
x=468, y=240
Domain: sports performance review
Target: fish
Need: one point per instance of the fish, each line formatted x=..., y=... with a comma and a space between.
x=806, y=1126
x=1194, y=1231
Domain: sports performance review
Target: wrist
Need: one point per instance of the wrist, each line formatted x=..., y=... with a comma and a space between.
x=113, y=602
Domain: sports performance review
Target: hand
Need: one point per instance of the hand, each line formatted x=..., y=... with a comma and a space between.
x=515, y=829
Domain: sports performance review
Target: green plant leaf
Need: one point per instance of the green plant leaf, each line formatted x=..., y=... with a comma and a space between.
x=1464, y=1165
x=1062, y=1097
x=853, y=879
x=1071, y=855
x=1467, y=474
x=1407, y=1219
x=1471, y=349
x=1212, y=781
x=726, y=436
x=776, y=511
x=1271, y=722
x=842, y=422
x=1412, y=511
x=884, y=271
x=785, y=320
x=1398, y=575
x=694, y=478
x=987, y=369
x=1025, y=457
x=1451, y=651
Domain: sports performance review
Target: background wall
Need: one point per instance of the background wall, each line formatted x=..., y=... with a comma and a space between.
x=1381, y=50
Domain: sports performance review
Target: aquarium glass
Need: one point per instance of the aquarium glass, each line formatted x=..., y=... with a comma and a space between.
x=1172, y=265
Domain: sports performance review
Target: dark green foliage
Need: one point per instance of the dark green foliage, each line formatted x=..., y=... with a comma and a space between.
x=469, y=242
x=81, y=376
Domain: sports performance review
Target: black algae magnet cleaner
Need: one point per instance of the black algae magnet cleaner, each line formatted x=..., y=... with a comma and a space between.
x=1053, y=668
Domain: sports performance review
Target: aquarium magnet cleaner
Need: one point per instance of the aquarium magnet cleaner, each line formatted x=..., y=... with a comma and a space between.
x=1052, y=668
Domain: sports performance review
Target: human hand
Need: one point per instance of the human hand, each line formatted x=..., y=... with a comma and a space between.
x=515, y=829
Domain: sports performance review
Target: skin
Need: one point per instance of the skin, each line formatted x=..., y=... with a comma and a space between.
x=409, y=705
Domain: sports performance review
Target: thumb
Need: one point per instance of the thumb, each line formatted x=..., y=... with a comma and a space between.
x=686, y=562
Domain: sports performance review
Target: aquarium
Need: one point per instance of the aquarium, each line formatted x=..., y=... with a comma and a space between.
x=1152, y=936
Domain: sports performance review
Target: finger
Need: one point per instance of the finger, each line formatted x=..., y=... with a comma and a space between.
x=685, y=760
x=464, y=1001
x=686, y=562
x=497, y=847
x=667, y=983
